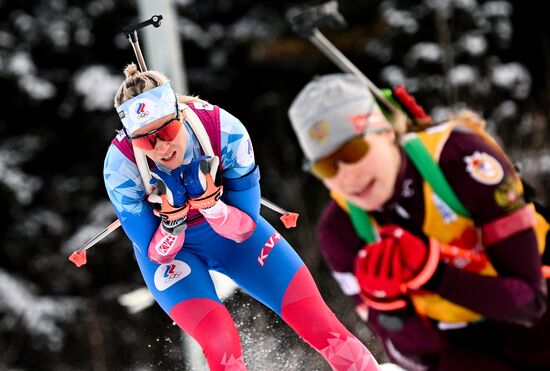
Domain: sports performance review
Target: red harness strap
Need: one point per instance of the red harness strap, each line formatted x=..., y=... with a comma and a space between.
x=502, y=228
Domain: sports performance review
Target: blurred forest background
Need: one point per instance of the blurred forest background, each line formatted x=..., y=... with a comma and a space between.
x=61, y=62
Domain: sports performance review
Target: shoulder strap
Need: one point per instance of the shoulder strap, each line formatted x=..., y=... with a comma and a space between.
x=362, y=223
x=199, y=130
x=431, y=172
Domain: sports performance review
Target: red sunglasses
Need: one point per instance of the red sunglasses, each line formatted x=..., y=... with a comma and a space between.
x=166, y=132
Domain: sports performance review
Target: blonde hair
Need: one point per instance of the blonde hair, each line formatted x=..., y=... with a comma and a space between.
x=464, y=117
x=137, y=82
x=468, y=118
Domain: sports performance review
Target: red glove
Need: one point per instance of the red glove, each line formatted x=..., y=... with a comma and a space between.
x=386, y=270
x=378, y=271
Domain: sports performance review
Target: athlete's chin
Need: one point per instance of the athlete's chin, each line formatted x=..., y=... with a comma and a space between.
x=374, y=201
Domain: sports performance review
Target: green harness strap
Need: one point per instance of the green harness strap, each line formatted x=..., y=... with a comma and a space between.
x=430, y=171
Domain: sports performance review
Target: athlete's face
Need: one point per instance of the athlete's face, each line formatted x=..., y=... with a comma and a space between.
x=168, y=153
x=369, y=182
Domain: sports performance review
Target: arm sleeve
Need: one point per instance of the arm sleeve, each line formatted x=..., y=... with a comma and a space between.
x=339, y=244
x=240, y=173
x=489, y=188
x=127, y=194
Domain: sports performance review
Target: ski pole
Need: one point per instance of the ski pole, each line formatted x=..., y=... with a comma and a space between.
x=305, y=21
x=131, y=34
x=78, y=257
x=289, y=219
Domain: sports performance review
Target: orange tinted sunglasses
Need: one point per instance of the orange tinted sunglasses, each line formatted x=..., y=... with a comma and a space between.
x=166, y=132
x=349, y=153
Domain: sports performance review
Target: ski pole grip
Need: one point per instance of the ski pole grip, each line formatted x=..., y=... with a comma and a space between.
x=131, y=29
x=304, y=20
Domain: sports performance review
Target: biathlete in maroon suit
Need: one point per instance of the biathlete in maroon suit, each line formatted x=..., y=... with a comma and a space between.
x=442, y=289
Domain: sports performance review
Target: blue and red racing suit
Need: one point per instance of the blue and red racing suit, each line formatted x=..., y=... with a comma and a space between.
x=264, y=265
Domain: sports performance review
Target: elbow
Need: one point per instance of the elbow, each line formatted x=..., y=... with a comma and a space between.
x=539, y=310
x=531, y=313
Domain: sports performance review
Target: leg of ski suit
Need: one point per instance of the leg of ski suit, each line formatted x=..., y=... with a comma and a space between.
x=267, y=268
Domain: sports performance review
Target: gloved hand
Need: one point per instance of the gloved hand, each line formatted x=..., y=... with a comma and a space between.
x=378, y=272
x=172, y=198
x=164, y=245
x=203, y=182
x=388, y=269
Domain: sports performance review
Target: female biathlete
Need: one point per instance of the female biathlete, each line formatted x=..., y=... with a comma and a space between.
x=206, y=217
x=429, y=232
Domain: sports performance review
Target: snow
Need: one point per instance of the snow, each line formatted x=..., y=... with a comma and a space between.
x=98, y=87
x=401, y=19
x=467, y=5
x=40, y=315
x=512, y=77
x=394, y=75
x=24, y=22
x=497, y=9
x=462, y=75
x=98, y=7
x=58, y=31
x=503, y=29
x=32, y=225
x=7, y=40
x=379, y=50
x=425, y=51
x=505, y=110
x=473, y=44
x=37, y=88
x=99, y=217
x=190, y=30
x=21, y=64
x=12, y=154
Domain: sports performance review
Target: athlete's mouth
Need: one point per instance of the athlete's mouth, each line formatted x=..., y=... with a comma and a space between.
x=364, y=192
x=168, y=158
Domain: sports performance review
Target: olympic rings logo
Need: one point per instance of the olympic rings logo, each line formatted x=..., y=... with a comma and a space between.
x=143, y=114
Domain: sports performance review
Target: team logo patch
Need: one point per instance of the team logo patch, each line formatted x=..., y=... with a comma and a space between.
x=120, y=135
x=445, y=211
x=484, y=168
x=268, y=246
x=319, y=132
x=509, y=194
x=245, y=154
x=142, y=109
x=168, y=274
x=203, y=106
x=359, y=122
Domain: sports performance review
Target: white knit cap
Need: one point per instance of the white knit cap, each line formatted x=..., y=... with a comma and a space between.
x=329, y=111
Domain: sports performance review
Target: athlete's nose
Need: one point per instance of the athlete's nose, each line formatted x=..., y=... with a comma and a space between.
x=161, y=145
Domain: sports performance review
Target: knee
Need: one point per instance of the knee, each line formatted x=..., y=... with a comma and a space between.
x=211, y=325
